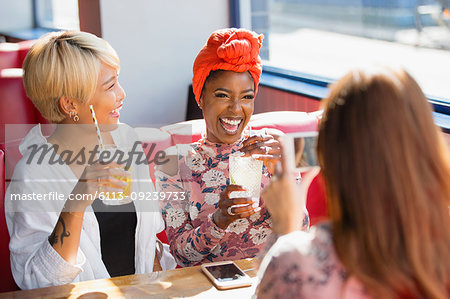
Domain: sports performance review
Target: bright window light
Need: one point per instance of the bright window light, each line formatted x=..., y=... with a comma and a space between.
x=57, y=14
x=327, y=38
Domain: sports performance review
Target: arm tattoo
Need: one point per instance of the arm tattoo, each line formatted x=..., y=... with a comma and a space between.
x=53, y=238
x=63, y=233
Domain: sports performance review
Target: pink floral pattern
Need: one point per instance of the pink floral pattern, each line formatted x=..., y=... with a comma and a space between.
x=305, y=265
x=193, y=236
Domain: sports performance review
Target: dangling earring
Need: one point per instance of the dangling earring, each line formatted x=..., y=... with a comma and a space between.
x=74, y=115
x=203, y=134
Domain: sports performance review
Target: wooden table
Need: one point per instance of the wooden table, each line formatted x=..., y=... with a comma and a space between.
x=185, y=282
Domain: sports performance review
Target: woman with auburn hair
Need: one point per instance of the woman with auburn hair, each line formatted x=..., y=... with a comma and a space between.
x=386, y=171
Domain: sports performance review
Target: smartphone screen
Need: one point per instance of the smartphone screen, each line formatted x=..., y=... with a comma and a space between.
x=301, y=150
x=305, y=151
x=225, y=272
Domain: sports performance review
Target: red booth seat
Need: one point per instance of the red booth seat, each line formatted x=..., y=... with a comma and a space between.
x=9, y=55
x=153, y=141
x=15, y=107
x=13, y=54
x=185, y=131
x=7, y=282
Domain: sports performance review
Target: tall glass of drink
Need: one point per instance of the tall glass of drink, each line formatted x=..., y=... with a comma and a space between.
x=247, y=172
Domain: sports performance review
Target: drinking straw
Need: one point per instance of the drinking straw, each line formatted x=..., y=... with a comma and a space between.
x=100, y=140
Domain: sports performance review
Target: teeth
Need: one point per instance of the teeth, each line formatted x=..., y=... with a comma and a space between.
x=231, y=122
x=229, y=131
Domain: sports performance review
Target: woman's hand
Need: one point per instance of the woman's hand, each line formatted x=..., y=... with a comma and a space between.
x=265, y=147
x=226, y=214
x=96, y=179
x=285, y=199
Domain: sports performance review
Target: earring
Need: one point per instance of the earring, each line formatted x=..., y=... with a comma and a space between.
x=74, y=115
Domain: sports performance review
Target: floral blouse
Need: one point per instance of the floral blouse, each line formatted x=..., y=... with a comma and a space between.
x=305, y=265
x=194, y=238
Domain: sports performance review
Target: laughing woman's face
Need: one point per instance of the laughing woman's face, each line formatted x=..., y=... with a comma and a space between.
x=227, y=103
x=107, y=100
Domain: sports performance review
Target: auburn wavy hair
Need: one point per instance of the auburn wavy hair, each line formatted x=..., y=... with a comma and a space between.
x=387, y=174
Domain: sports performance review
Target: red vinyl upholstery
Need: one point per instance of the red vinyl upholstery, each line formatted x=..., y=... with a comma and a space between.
x=9, y=55
x=6, y=282
x=186, y=131
x=13, y=54
x=316, y=202
x=24, y=47
x=162, y=236
x=153, y=141
x=15, y=107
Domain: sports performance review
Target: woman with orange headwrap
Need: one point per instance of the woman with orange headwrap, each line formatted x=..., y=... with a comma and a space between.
x=208, y=226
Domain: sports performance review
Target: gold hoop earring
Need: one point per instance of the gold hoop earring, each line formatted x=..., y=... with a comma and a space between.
x=74, y=115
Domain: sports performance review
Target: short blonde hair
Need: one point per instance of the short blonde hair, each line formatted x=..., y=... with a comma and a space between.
x=65, y=63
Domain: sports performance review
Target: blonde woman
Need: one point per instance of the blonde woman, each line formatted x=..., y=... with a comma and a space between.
x=386, y=172
x=61, y=241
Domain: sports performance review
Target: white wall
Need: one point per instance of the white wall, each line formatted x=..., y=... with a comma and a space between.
x=15, y=15
x=157, y=41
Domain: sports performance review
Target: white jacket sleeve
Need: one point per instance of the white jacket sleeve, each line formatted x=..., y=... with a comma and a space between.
x=34, y=262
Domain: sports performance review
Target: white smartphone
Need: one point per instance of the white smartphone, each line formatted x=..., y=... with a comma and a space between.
x=301, y=150
x=226, y=275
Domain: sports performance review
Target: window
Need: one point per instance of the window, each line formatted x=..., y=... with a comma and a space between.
x=56, y=14
x=326, y=38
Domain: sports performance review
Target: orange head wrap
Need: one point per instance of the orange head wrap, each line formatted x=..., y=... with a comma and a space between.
x=230, y=50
